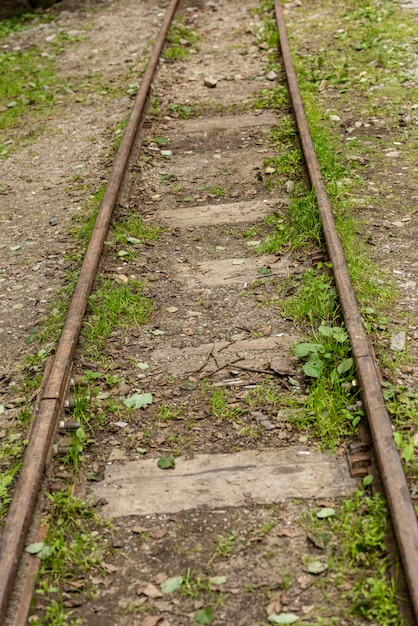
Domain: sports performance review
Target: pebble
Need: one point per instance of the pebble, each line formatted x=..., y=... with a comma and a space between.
x=290, y=185
x=271, y=75
x=53, y=222
x=398, y=341
x=210, y=82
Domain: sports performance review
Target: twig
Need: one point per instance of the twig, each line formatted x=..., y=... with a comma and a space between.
x=206, y=358
x=252, y=369
x=231, y=343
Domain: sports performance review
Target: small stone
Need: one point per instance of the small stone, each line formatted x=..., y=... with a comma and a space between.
x=290, y=185
x=398, y=341
x=210, y=82
x=53, y=222
x=271, y=75
x=151, y=592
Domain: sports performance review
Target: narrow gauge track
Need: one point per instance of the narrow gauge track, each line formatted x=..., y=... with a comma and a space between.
x=55, y=384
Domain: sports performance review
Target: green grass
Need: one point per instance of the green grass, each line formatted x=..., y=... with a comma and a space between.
x=30, y=82
x=357, y=557
x=217, y=191
x=28, y=87
x=70, y=546
x=275, y=98
x=19, y=23
x=130, y=226
x=219, y=404
x=179, y=41
x=184, y=111
x=113, y=306
x=316, y=299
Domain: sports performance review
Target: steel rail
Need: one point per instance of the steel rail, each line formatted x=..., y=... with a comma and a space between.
x=393, y=478
x=22, y=506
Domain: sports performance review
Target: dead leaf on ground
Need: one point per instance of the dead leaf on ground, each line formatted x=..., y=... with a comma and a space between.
x=151, y=620
x=164, y=606
x=306, y=609
x=160, y=578
x=140, y=529
x=108, y=567
x=290, y=532
x=326, y=504
x=151, y=591
x=304, y=581
x=275, y=605
x=74, y=584
x=158, y=533
x=341, y=450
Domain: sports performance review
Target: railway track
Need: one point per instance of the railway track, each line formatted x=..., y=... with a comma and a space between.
x=205, y=283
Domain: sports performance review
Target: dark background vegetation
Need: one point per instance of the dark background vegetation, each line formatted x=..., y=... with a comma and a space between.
x=13, y=8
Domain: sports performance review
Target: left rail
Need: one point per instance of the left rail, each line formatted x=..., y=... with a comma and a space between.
x=50, y=403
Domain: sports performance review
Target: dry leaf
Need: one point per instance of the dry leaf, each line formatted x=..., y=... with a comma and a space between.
x=150, y=591
x=160, y=578
x=151, y=620
x=327, y=504
x=140, y=529
x=304, y=581
x=76, y=584
x=108, y=567
x=275, y=605
x=158, y=533
x=291, y=532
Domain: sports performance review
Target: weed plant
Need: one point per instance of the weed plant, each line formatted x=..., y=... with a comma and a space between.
x=357, y=558
x=69, y=547
x=130, y=227
x=113, y=306
x=179, y=41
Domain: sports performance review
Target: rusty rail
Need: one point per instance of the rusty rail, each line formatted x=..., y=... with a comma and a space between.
x=22, y=506
x=402, y=511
